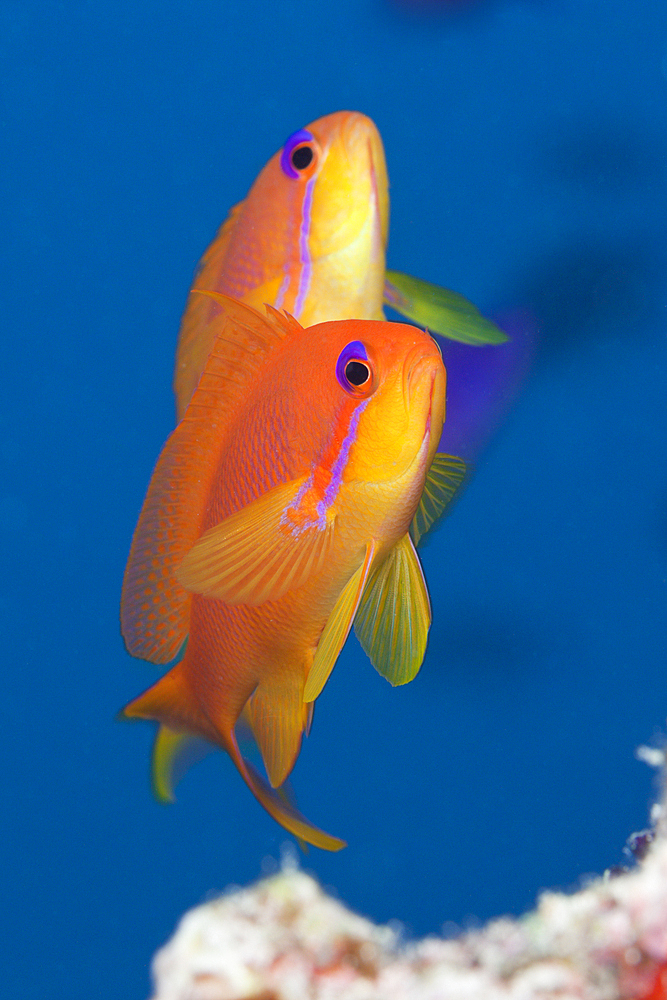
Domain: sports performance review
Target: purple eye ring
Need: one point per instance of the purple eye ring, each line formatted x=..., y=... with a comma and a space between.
x=352, y=368
x=295, y=140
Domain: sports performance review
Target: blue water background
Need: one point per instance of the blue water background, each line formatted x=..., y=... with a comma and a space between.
x=526, y=144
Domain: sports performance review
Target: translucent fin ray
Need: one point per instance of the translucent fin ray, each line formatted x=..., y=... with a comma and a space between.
x=443, y=480
x=394, y=615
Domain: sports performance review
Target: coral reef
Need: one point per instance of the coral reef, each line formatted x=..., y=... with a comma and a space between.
x=286, y=939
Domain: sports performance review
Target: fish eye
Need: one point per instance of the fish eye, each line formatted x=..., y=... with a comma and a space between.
x=353, y=369
x=299, y=153
x=357, y=373
x=302, y=157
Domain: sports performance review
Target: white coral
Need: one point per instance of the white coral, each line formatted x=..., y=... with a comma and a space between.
x=286, y=939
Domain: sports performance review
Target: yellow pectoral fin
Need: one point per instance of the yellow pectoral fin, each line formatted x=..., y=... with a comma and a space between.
x=394, y=615
x=440, y=310
x=443, y=481
x=258, y=553
x=337, y=628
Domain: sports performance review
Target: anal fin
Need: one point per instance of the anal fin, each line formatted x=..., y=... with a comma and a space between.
x=278, y=717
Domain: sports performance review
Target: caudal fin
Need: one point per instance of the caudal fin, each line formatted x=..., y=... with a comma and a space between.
x=281, y=810
x=173, y=754
x=171, y=703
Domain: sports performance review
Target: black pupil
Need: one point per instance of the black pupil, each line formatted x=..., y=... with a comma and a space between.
x=356, y=373
x=302, y=157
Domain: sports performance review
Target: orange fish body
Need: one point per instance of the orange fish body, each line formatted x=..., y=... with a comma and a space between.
x=279, y=510
x=309, y=238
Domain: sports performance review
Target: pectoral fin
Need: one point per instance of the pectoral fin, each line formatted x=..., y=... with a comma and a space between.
x=337, y=628
x=439, y=310
x=443, y=481
x=258, y=553
x=394, y=615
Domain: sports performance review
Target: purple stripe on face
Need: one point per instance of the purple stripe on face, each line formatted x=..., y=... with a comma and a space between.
x=333, y=487
x=303, y=135
x=304, y=251
x=341, y=460
x=297, y=530
x=282, y=291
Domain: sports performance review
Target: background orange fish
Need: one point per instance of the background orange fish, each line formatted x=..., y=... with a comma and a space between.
x=310, y=238
x=279, y=509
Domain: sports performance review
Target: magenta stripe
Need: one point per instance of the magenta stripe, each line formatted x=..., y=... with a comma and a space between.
x=282, y=291
x=304, y=252
x=341, y=461
x=336, y=478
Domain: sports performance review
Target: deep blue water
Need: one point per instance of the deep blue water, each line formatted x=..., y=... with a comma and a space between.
x=526, y=144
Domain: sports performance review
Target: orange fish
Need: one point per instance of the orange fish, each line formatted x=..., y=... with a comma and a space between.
x=279, y=512
x=310, y=238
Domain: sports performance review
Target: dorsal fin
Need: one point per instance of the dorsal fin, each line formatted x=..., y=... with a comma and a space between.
x=155, y=608
x=252, y=329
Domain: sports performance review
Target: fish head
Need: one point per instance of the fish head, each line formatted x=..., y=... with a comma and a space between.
x=337, y=166
x=385, y=383
x=350, y=201
x=323, y=200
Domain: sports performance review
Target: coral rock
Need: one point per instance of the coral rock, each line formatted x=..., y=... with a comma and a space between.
x=286, y=939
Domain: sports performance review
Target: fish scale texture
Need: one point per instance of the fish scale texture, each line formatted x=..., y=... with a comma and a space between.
x=286, y=939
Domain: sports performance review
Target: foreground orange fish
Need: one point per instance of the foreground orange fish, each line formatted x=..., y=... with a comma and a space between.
x=310, y=238
x=279, y=510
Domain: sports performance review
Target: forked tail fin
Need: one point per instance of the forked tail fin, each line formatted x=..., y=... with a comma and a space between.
x=282, y=811
x=171, y=703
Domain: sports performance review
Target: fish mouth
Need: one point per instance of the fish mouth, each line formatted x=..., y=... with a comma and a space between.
x=360, y=136
x=425, y=386
x=418, y=364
